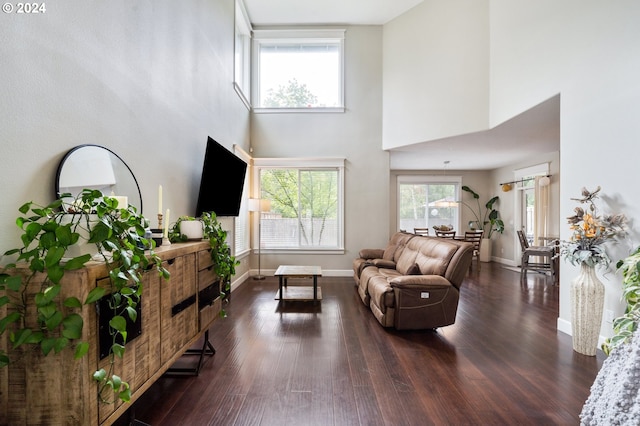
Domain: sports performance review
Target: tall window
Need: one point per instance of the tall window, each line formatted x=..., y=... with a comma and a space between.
x=306, y=205
x=242, y=61
x=428, y=201
x=298, y=70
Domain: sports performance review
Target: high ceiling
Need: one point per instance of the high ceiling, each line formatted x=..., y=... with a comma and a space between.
x=354, y=12
x=536, y=131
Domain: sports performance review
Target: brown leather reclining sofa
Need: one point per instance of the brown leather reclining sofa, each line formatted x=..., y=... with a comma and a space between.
x=414, y=282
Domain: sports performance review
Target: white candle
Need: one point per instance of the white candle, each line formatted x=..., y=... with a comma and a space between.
x=160, y=199
x=166, y=225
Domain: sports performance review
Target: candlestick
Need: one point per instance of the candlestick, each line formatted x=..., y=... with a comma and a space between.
x=159, y=199
x=165, y=237
x=166, y=225
x=160, y=221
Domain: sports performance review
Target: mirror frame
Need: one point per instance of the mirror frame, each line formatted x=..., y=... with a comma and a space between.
x=74, y=149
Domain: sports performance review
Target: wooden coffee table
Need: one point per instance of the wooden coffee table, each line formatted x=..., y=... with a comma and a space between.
x=301, y=293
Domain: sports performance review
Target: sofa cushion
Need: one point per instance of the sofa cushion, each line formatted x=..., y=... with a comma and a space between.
x=414, y=270
x=389, y=252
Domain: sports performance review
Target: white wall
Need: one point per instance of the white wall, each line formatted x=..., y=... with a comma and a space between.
x=436, y=72
x=584, y=51
x=354, y=135
x=588, y=52
x=148, y=80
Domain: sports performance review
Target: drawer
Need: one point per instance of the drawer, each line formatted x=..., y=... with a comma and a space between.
x=204, y=259
x=206, y=277
x=208, y=314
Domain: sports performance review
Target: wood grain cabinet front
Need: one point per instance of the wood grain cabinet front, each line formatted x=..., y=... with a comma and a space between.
x=59, y=390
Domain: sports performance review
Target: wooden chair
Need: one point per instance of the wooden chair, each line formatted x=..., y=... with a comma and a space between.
x=446, y=234
x=547, y=254
x=475, y=238
x=421, y=231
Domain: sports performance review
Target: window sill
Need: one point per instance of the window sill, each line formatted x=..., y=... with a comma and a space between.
x=298, y=110
x=330, y=251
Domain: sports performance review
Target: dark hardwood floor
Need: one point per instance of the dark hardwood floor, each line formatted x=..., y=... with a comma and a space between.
x=502, y=363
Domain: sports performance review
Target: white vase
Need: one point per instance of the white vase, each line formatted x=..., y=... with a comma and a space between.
x=193, y=229
x=485, y=250
x=587, y=301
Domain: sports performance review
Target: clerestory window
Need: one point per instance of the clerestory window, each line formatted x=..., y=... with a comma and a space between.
x=298, y=70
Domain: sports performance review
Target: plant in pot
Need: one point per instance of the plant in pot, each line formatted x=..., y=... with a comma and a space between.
x=48, y=235
x=224, y=263
x=625, y=326
x=489, y=221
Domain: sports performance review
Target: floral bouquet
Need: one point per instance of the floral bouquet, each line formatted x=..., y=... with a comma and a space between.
x=590, y=231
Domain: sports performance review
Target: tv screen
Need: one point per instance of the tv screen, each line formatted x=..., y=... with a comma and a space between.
x=223, y=175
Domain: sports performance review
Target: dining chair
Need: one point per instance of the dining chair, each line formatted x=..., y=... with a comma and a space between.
x=446, y=234
x=545, y=253
x=475, y=238
x=421, y=231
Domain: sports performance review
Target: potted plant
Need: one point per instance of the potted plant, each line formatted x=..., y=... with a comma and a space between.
x=489, y=221
x=48, y=233
x=591, y=232
x=224, y=263
x=625, y=326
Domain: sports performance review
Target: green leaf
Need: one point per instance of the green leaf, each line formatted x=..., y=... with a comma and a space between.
x=118, y=323
x=60, y=344
x=118, y=350
x=54, y=320
x=32, y=230
x=100, y=375
x=4, y=300
x=125, y=395
x=81, y=350
x=14, y=283
x=20, y=337
x=72, y=326
x=51, y=292
x=72, y=302
x=53, y=256
x=4, y=360
x=116, y=382
x=25, y=207
x=95, y=295
x=9, y=319
x=55, y=273
x=63, y=235
x=133, y=314
x=100, y=232
x=47, y=345
x=77, y=262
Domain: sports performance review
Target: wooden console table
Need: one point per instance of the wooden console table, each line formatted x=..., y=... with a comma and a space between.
x=175, y=314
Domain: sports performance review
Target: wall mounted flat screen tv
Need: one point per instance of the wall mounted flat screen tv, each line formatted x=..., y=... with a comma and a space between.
x=222, y=181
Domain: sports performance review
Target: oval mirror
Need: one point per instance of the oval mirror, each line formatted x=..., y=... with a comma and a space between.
x=96, y=167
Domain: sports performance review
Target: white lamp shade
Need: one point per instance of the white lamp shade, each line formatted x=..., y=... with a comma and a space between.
x=259, y=205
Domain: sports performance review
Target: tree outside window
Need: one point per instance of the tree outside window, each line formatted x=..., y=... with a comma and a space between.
x=304, y=208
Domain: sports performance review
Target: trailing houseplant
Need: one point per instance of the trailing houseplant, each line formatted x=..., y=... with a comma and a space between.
x=48, y=234
x=489, y=221
x=224, y=264
x=625, y=326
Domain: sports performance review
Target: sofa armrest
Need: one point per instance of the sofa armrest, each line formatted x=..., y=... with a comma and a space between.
x=419, y=282
x=371, y=253
x=382, y=263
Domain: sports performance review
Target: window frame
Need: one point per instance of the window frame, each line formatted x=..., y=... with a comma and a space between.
x=430, y=180
x=242, y=54
x=303, y=164
x=296, y=36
